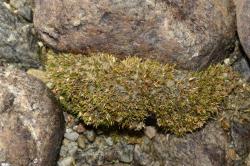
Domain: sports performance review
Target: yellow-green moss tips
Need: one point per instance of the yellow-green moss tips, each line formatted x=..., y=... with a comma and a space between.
x=104, y=91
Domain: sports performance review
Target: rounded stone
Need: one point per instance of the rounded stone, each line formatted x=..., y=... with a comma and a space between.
x=90, y=135
x=32, y=124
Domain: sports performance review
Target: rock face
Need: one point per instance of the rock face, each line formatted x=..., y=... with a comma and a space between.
x=17, y=42
x=31, y=124
x=191, y=33
x=243, y=23
x=23, y=8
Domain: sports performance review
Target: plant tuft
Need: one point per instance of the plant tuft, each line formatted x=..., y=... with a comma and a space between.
x=105, y=91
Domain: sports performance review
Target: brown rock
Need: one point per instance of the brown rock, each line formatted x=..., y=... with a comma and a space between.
x=193, y=33
x=243, y=23
x=31, y=124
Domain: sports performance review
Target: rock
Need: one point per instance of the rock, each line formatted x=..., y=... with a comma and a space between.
x=18, y=45
x=80, y=128
x=248, y=160
x=72, y=148
x=109, y=141
x=23, y=8
x=213, y=145
x=72, y=136
x=191, y=33
x=90, y=135
x=68, y=161
x=240, y=132
x=32, y=124
x=241, y=65
x=150, y=132
x=125, y=152
x=142, y=158
x=243, y=25
x=81, y=142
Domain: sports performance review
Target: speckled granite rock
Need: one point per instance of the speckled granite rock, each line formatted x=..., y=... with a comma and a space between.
x=31, y=123
x=243, y=23
x=18, y=44
x=23, y=8
x=191, y=33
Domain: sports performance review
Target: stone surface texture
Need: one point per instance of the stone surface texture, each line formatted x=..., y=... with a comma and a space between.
x=191, y=33
x=18, y=44
x=221, y=142
x=31, y=123
x=243, y=23
x=23, y=8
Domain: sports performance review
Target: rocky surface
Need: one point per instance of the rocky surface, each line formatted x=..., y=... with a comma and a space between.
x=222, y=142
x=239, y=61
x=18, y=44
x=23, y=8
x=243, y=23
x=190, y=33
x=31, y=123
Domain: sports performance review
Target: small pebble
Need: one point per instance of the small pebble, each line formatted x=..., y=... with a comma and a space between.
x=68, y=161
x=73, y=136
x=227, y=61
x=150, y=132
x=109, y=141
x=90, y=135
x=80, y=128
x=125, y=153
x=72, y=148
x=81, y=141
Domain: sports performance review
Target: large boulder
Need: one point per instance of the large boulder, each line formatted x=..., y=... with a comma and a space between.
x=31, y=123
x=191, y=33
x=18, y=44
x=243, y=23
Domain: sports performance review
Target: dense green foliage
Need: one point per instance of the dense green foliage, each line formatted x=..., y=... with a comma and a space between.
x=104, y=91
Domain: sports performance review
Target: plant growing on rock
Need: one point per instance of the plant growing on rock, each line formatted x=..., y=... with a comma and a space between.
x=105, y=91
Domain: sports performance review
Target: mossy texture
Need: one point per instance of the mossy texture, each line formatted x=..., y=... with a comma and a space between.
x=105, y=91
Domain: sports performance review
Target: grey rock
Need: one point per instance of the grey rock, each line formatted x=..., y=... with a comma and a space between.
x=241, y=135
x=23, y=8
x=109, y=141
x=142, y=158
x=72, y=136
x=243, y=26
x=191, y=33
x=90, y=135
x=18, y=44
x=31, y=123
x=68, y=161
x=242, y=66
x=63, y=151
x=125, y=152
x=72, y=148
x=239, y=61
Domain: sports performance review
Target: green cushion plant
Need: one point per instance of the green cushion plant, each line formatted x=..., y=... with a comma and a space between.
x=105, y=91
